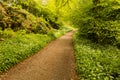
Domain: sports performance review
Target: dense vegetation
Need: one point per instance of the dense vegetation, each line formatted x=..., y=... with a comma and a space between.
x=25, y=27
x=99, y=21
x=22, y=46
x=95, y=61
x=28, y=25
x=27, y=15
x=97, y=42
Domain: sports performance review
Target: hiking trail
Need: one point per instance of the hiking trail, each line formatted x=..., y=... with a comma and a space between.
x=54, y=62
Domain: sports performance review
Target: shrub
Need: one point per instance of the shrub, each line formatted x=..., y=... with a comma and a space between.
x=99, y=21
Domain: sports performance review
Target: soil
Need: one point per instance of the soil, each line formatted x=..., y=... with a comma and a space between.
x=54, y=62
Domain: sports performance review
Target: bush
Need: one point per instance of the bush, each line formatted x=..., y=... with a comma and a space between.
x=99, y=21
x=39, y=11
x=6, y=34
x=19, y=19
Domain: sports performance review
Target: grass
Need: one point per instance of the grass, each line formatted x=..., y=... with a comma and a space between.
x=15, y=49
x=96, y=62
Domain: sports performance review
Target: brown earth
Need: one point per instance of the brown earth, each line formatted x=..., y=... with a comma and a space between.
x=54, y=62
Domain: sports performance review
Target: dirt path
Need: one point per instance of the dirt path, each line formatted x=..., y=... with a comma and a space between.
x=54, y=62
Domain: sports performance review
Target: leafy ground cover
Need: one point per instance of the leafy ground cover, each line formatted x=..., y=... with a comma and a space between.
x=16, y=49
x=96, y=62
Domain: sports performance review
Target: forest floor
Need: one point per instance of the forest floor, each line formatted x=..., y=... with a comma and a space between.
x=54, y=62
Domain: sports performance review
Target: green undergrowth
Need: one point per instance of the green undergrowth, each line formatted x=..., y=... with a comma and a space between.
x=18, y=48
x=95, y=61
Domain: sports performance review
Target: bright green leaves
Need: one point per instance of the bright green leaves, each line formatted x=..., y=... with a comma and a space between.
x=99, y=21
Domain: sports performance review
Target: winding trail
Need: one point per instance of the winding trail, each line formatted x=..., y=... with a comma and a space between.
x=54, y=62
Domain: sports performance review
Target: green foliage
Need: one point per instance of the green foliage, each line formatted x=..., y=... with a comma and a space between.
x=19, y=19
x=61, y=3
x=22, y=45
x=96, y=62
x=36, y=9
x=51, y=18
x=58, y=33
x=99, y=21
x=30, y=5
x=6, y=34
x=21, y=48
x=27, y=15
